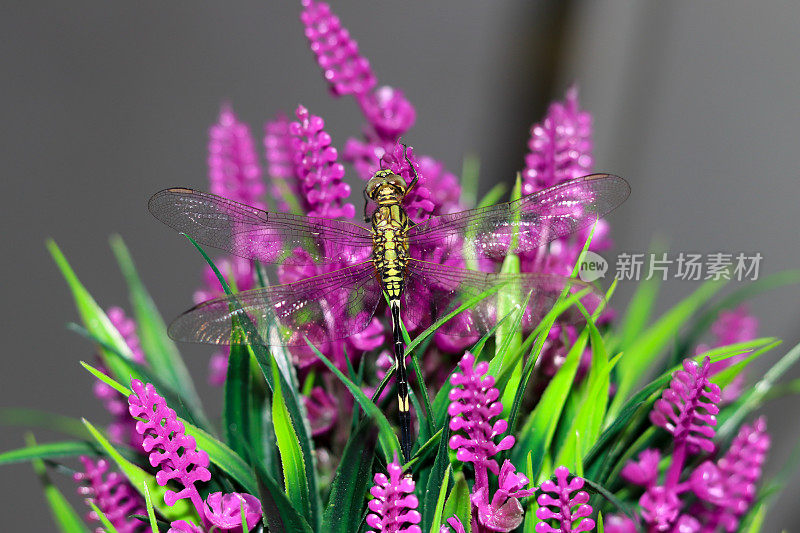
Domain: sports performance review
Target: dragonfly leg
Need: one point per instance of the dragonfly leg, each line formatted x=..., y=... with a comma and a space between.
x=413, y=170
x=403, y=403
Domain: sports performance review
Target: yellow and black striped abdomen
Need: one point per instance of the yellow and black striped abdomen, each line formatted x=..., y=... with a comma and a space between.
x=390, y=247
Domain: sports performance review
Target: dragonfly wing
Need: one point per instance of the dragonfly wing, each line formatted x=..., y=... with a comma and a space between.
x=255, y=234
x=322, y=308
x=535, y=219
x=445, y=288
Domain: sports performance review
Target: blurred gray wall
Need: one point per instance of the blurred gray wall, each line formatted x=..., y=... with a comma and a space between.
x=103, y=103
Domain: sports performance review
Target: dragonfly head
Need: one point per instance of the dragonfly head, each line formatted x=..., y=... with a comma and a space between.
x=386, y=187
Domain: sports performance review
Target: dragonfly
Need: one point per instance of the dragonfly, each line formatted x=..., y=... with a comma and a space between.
x=420, y=269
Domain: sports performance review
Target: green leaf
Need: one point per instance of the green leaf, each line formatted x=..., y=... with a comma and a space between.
x=65, y=517
x=435, y=489
x=644, y=352
x=161, y=353
x=21, y=416
x=754, y=519
x=151, y=514
x=458, y=503
x=109, y=527
x=50, y=450
x=386, y=435
x=349, y=488
x=92, y=316
x=236, y=409
x=276, y=508
x=726, y=376
x=437, y=512
x=294, y=470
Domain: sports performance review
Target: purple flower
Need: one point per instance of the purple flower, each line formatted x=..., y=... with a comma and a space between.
x=182, y=526
x=660, y=507
x=122, y=428
x=565, y=503
x=112, y=493
x=317, y=168
x=643, y=472
x=169, y=447
x=560, y=146
x=280, y=164
x=729, y=486
x=388, y=112
x=473, y=405
x=233, y=169
x=225, y=511
x=345, y=69
x=617, y=523
x=322, y=409
x=394, y=504
x=503, y=512
x=731, y=327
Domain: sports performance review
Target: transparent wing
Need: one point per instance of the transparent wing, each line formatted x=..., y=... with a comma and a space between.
x=434, y=290
x=536, y=219
x=323, y=308
x=255, y=234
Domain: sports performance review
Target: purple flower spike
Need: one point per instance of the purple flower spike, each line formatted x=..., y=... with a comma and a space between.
x=473, y=403
x=660, y=507
x=317, y=168
x=617, y=523
x=127, y=328
x=389, y=112
x=233, y=168
x=560, y=146
x=560, y=504
x=644, y=471
x=687, y=408
x=394, y=504
x=112, y=494
x=730, y=485
x=168, y=445
x=346, y=70
x=224, y=511
x=280, y=161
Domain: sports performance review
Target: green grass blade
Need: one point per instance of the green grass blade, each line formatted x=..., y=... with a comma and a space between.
x=386, y=435
x=161, y=353
x=350, y=485
x=50, y=450
x=276, y=508
x=644, y=352
x=437, y=512
x=138, y=477
x=236, y=409
x=109, y=527
x=92, y=316
x=458, y=504
x=24, y=417
x=294, y=469
x=435, y=489
x=65, y=517
x=151, y=514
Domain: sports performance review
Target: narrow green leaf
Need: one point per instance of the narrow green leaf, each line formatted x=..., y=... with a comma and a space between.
x=109, y=527
x=754, y=519
x=276, y=508
x=349, y=487
x=65, y=517
x=644, y=352
x=294, y=470
x=386, y=435
x=161, y=353
x=599, y=522
x=236, y=409
x=437, y=512
x=24, y=417
x=433, y=494
x=50, y=450
x=151, y=514
x=726, y=376
x=182, y=510
x=92, y=316
x=458, y=503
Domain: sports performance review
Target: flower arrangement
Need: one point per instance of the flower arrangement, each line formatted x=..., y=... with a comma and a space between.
x=620, y=423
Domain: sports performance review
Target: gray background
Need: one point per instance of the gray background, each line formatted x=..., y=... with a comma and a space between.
x=104, y=103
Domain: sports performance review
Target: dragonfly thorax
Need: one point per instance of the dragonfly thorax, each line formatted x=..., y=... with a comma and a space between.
x=386, y=187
